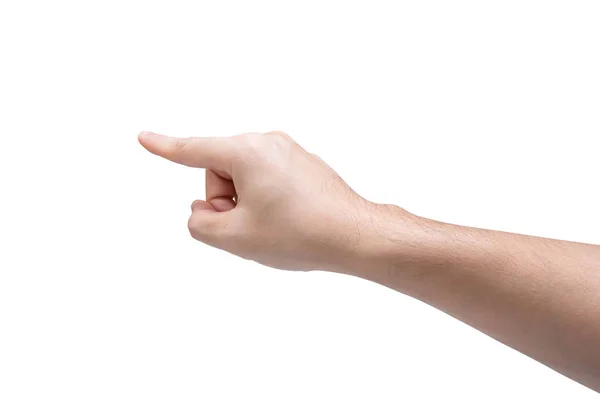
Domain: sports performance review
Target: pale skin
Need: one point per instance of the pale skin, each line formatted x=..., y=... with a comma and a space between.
x=270, y=201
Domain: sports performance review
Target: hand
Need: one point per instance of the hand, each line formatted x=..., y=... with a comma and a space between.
x=270, y=201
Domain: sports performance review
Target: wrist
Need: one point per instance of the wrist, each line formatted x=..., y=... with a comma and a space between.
x=389, y=236
x=403, y=250
x=416, y=255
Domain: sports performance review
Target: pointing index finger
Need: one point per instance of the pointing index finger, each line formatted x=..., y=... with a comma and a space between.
x=197, y=152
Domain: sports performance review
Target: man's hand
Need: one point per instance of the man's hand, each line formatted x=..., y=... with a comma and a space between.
x=269, y=200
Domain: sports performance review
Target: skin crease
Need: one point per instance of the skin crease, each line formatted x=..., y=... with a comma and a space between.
x=270, y=201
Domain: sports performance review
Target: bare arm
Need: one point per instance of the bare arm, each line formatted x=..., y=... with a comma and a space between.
x=539, y=296
x=270, y=201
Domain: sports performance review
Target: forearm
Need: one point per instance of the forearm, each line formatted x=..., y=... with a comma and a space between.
x=539, y=296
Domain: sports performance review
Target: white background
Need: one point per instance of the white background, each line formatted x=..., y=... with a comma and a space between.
x=477, y=113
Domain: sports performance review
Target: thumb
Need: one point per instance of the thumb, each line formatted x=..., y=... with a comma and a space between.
x=208, y=225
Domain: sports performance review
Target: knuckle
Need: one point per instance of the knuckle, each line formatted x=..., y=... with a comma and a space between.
x=279, y=138
x=206, y=228
x=251, y=143
x=254, y=149
x=181, y=144
x=180, y=147
x=280, y=134
x=192, y=225
x=246, y=138
x=279, y=144
x=194, y=205
x=246, y=134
